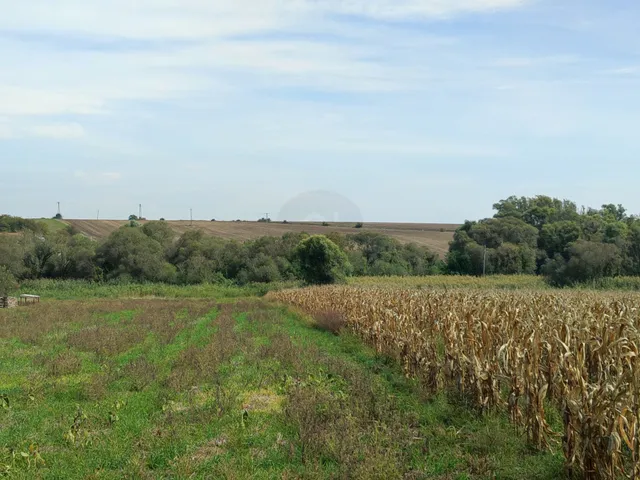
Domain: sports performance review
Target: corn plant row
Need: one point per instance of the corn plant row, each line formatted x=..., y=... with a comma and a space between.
x=525, y=352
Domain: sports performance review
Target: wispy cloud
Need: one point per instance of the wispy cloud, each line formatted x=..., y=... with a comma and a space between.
x=58, y=131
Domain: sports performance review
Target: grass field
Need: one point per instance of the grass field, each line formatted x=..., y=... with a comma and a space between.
x=229, y=388
x=429, y=235
x=52, y=224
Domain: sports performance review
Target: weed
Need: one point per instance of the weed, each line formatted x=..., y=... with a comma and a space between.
x=64, y=363
x=140, y=373
x=330, y=321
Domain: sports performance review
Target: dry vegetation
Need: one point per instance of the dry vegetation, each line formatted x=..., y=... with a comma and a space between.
x=563, y=365
x=435, y=236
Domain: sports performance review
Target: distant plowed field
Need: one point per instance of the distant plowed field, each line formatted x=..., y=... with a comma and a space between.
x=428, y=234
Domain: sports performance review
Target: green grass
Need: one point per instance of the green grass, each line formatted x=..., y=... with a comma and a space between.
x=187, y=388
x=81, y=289
x=52, y=224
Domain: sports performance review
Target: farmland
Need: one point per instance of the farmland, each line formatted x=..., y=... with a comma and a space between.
x=562, y=365
x=149, y=387
x=429, y=235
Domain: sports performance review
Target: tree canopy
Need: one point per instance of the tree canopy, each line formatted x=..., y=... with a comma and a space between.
x=551, y=237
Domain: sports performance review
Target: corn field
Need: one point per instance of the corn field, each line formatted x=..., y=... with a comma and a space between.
x=532, y=354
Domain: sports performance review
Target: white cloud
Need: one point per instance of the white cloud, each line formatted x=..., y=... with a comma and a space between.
x=58, y=131
x=44, y=80
x=150, y=19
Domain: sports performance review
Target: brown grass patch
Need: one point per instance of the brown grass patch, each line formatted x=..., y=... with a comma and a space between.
x=65, y=363
x=330, y=321
x=140, y=373
x=105, y=340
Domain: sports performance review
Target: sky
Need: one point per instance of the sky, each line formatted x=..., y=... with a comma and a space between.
x=409, y=110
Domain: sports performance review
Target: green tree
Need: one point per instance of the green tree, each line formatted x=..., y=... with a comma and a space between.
x=510, y=247
x=38, y=254
x=321, y=261
x=161, y=232
x=588, y=261
x=74, y=257
x=260, y=269
x=555, y=238
x=129, y=254
x=12, y=251
x=8, y=282
x=536, y=211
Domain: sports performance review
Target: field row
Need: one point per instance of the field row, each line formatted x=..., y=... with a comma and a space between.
x=191, y=388
x=564, y=365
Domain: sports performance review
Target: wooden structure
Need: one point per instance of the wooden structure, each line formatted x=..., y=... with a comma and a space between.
x=8, y=302
x=26, y=299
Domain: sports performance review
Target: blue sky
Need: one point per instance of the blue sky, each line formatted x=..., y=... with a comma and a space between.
x=415, y=110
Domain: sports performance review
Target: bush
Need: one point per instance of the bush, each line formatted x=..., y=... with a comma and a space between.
x=330, y=321
x=58, y=216
x=588, y=262
x=359, y=225
x=321, y=261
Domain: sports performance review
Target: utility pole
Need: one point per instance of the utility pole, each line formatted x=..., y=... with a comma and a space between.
x=58, y=208
x=266, y=216
x=484, y=262
x=191, y=216
x=140, y=212
x=98, y=215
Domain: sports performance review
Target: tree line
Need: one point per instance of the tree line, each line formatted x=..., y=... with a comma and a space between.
x=153, y=253
x=551, y=237
x=537, y=235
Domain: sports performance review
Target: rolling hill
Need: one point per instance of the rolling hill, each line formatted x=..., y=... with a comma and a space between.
x=435, y=236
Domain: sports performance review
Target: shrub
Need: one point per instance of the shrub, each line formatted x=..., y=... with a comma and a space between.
x=588, y=262
x=321, y=261
x=359, y=225
x=330, y=321
x=129, y=253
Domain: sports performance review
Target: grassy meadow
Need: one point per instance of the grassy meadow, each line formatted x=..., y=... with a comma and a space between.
x=218, y=384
